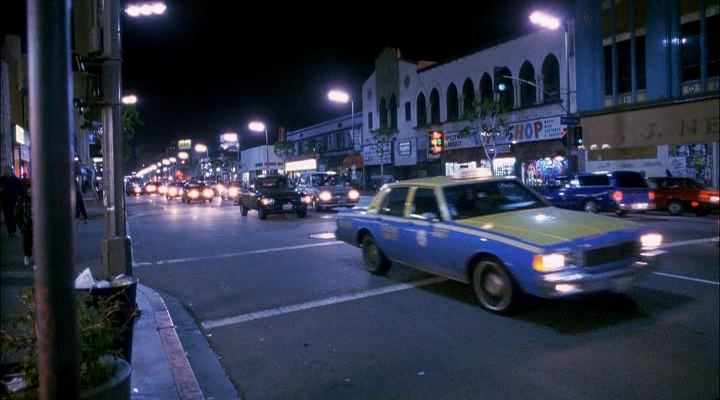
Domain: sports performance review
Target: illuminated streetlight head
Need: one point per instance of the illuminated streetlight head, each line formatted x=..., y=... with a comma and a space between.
x=338, y=96
x=129, y=99
x=145, y=9
x=158, y=164
x=159, y=8
x=172, y=159
x=183, y=155
x=165, y=161
x=200, y=148
x=545, y=20
x=256, y=126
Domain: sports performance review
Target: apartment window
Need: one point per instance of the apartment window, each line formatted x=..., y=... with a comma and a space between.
x=712, y=38
x=434, y=107
x=624, y=66
x=469, y=96
x=370, y=121
x=528, y=95
x=408, y=107
x=690, y=50
x=383, y=113
x=393, y=112
x=421, y=110
x=452, y=103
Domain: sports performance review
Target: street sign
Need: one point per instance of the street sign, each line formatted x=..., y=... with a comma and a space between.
x=570, y=120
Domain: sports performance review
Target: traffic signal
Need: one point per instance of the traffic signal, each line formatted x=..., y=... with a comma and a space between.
x=577, y=136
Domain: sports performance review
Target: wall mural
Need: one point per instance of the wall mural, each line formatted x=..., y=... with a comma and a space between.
x=692, y=161
x=543, y=171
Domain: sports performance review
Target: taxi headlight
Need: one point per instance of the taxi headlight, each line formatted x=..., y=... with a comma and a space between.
x=548, y=262
x=353, y=194
x=651, y=240
x=267, y=201
x=232, y=192
x=325, y=196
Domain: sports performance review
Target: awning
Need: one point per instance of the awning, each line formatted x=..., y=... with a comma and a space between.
x=353, y=159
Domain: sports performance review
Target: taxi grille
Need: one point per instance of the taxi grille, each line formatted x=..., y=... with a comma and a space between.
x=610, y=254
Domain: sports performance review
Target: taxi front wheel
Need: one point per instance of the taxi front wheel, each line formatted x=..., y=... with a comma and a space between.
x=375, y=260
x=494, y=287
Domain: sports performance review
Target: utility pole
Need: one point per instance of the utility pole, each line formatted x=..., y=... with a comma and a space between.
x=116, y=243
x=51, y=129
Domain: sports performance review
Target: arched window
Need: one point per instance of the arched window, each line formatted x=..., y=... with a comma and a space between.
x=383, y=113
x=393, y=112
x=434, y=107
x=551, y=78
x=505, y=88
x=468, y=95
x=528, y=92
x=452, y=103
x=421, y=110
x=486, y=88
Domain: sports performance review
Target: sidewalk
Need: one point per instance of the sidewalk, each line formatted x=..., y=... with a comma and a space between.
x=160, y=369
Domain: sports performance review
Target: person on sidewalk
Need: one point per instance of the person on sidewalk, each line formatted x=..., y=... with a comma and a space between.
x=10, y=189
x=80, y=204
x=28, y=230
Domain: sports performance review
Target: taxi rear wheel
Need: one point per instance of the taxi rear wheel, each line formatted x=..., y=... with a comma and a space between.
x=375, y=260
x=494, y=287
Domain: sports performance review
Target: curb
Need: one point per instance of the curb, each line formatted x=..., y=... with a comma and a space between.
x=185, y=381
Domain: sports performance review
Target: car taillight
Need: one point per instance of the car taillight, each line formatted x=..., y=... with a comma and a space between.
x=651, y=196
x=617, y=196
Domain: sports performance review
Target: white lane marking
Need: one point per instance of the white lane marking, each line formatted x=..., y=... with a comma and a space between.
x=241, y=253
x=238, y=319
x=687, y=278
x=687, y=242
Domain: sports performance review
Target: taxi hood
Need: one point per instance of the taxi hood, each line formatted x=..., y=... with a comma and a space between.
x=546, y=226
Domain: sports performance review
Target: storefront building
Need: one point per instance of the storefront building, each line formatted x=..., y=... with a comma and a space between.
x=260, y=160
x=655, y=109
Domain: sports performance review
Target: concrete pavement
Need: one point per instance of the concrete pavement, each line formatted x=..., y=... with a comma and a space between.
x=160, y=369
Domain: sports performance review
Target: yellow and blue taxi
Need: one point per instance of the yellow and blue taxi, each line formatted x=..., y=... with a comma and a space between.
x=499, y=236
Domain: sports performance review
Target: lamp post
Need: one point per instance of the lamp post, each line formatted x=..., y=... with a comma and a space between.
x=339, y=96
x=553, y=23
x=232, y=137
x=257, y=126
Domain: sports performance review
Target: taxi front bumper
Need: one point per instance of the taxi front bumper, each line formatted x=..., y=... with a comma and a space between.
x=579, y=280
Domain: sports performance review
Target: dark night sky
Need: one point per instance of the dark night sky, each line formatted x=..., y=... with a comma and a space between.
x=210, y=66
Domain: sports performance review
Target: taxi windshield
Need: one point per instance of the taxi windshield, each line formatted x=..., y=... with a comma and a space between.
x=485, y=198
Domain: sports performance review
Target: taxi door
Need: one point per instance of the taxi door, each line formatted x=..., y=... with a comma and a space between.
x=426, y=245
x=391, y=220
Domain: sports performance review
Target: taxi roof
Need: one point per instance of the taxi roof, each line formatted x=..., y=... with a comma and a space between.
x=442, y=181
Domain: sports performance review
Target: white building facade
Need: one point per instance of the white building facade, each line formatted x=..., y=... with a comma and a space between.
x=416, y=98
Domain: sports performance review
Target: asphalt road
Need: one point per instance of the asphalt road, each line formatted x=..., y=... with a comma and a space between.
x=294, y=316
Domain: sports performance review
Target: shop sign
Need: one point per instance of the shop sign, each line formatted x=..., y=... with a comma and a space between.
x=184, y=144
x=527, y=131
x=373, y=155
x=20, y=136
x=405, y=148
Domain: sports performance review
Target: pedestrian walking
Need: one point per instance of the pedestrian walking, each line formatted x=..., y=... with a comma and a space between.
x=80, y=204
x=28, y=230
x=10, y=189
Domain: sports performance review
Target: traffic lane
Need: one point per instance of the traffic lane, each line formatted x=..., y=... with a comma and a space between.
x=697, y=261
x=186, y=232
x=227, y=287
x=659, y=341
x=679, y=228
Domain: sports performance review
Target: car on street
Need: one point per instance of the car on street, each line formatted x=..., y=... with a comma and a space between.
x=678, y=195
x=232, y=190
x=195, y=191
x=498, y=236
x=174, y=190
x=326, y=190
x=271, y=194
x=150, y=188
x=618, y=191
x=134, y=186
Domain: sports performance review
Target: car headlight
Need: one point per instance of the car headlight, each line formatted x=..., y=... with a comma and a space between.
x=232, y=192
x=208, y=193
x=548, y=262
x=193, y=194
x=137, y=190
x=353, y=194
x=651, y=241
x=220, y=188
x=162, y=189
x=172, y=191
x=150, y=188
x=307, y=199
x=325, y=196
x=267, y=201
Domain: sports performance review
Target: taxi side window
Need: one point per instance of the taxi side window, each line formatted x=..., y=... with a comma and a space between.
x=394, y=202
x=425, y=202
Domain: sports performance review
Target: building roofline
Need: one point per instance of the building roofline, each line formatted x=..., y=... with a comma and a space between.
x=358, y=114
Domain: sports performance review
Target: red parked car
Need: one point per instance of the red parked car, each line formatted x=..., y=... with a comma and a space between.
x=678, y=195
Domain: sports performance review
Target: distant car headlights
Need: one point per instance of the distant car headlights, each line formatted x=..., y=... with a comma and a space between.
x=208, y=193
x=651, y=241
x=137, y=190
x=325, y=196
x=220, y=187
x=548, y=262
x=162, y=189
x=307, y=199
x=193, y=194
x=150, y=188
x=233, y=192
x=353, y=195
x=172, y=191
x=267, y=201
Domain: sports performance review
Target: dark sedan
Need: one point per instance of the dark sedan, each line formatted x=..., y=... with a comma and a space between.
x=197, y=192
x=271, y=195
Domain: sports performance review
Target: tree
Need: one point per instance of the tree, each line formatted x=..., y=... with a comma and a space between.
x=486, y=125
x=130, y=121
x=283, y=148
x=382, y=138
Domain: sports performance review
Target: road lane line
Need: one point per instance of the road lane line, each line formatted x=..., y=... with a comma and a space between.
x=273, y=312
x=687, y=242
x=241, y=253
x=687, y=278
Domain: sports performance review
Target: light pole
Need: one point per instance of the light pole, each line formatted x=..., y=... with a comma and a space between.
x=232, y=137
x=257, y=126
x=553, y=23
x=201, y=148
x=339, y=96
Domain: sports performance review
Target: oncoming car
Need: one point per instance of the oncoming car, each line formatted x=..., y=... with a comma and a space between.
x=197, y=192
x=498, y=236
x=326, y=190
x=174, y=190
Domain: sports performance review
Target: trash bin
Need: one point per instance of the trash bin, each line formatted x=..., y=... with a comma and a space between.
x=125, y=293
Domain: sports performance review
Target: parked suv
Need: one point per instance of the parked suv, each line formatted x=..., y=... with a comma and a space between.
x=326, y=190
x=619, y=191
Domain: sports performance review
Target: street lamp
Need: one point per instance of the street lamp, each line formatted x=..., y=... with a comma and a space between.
x=232, y=137
x=257, y=126
x=145, y=9
x=340, y=96
x=129, y=100
x=551, y=22
x=201, y=148
x=183, y=155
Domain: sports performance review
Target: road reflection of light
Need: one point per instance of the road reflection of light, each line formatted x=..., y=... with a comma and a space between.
x=323, y=235
x=328, y=217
